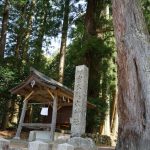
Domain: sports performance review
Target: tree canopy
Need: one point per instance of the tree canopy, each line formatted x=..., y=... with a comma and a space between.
x=30, y=28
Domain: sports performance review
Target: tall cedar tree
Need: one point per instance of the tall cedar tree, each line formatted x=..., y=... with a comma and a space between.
x=63, y=41
x=28, y=31
x=133, y=57
x=4, y=28
x=90, y=31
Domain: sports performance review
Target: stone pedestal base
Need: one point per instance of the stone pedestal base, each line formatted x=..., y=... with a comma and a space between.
x=4, y=144
x=65, y=146
x=82, y=143
x=38, y=145
x=16, y=138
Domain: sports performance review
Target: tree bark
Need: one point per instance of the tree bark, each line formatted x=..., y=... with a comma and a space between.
x=90, y=24
x=114, y=108
x=15, y=112
x=114, y=118
x=5, y=120
x=4, y=29
x=133, y=75
x=106, y=126
x=90, y=32
x=64, y=41
x=41, y=33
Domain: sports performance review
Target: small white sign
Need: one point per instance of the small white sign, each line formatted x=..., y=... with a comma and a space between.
x=44, y=111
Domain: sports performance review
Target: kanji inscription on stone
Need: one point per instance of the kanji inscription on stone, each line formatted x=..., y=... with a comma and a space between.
x=78, y=120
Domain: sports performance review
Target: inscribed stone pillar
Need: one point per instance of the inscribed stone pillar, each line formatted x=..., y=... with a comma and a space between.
x=78, y=120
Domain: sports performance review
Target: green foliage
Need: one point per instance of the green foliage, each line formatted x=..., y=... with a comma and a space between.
x=146, y=11
x=6, y=76
x=7, y=80
x=95, y=117
x=31, y=28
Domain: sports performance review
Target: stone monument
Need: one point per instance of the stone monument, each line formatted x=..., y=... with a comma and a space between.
x=78, y=120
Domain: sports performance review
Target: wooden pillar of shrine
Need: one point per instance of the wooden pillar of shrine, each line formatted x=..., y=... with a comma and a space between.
x=25, y=102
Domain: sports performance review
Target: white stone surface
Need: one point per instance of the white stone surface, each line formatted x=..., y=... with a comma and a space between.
x=45, y=135
x=38, y=145
x=78, y=120
x=39, y=135
x=32, y=136
x=16, y=149
x=65, y=146
x=4, y=144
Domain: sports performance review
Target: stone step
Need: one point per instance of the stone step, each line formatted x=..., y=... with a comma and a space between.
x=106, y=148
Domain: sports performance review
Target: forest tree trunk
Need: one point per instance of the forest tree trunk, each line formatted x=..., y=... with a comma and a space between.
x=14, y=112
x=41, y=33
x=4, y=29
x=5, y=119
x=133, y=59
x=90, y=60
x=64, y=41
x=28, y=32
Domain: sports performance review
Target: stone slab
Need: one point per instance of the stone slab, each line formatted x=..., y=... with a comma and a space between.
x=4, y=144
x=82, y=143
x=39, y=135
x=65, y=146
x=39, y=145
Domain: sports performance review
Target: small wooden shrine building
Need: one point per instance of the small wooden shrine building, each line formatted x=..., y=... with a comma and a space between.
x=39, y=88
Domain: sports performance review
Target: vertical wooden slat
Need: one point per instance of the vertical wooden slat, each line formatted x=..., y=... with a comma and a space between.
x=54, y=117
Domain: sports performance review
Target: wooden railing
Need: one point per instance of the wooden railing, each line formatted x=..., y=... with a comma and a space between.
x=40, y=125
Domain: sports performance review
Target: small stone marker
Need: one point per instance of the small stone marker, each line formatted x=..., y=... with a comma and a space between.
x=4, y=144
x=78, y=120
x=65, y=146
x=38, y=145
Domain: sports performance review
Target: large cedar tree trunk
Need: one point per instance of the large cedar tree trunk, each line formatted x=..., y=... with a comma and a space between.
x=4, y=28
x=90, y=32
x=93, y=59
x=28, y=31
x=133, y=58
x=63, y=41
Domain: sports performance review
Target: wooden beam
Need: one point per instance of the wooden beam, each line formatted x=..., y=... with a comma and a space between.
x=46, y=125
x=21, y=120
x=25, y=102
x=39, y=81
x=28, y=96
x=61, y=93
x=46, y=103
x=54, y=117
x=51, y=94
x=59, y=107
x=22, y=85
